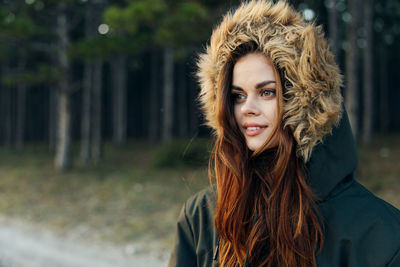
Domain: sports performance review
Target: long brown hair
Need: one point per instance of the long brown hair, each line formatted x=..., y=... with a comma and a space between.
x=265, y=210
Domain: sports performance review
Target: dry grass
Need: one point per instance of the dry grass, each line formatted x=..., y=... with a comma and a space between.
x=379, y=168
x=125, y=198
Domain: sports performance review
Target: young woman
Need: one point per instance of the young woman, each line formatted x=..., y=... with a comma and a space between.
x=284, y=156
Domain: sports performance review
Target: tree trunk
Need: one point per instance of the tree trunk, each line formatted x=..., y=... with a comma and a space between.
x=118, y=68
x=333, y=27
x=154, y=108
x=21, y=106
x=2, y=119
x=86, y=113
x=168, y=94
x=194, y=112
x=97, y=111
x=6, y=108
x=53, y=119
x=383, y=84
x=7, y=116
x=351, y=92
x=86, y=118
x=182, y=102
x=368, y=114
x=63, y=142
x=20, y=126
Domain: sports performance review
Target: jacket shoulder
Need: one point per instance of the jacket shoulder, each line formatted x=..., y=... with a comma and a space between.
x=196, y=237
x=361, y=228
x=202, y=201
x=199, y=210
x=357, y=202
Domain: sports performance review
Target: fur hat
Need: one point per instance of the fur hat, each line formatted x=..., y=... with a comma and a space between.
x=312, y=80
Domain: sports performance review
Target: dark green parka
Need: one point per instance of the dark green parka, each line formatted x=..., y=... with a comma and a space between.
x=359, y=228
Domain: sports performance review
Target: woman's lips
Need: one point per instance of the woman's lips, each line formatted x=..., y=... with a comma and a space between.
x=254, y=130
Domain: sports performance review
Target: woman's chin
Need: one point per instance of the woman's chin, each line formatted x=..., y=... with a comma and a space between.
x=253, y=146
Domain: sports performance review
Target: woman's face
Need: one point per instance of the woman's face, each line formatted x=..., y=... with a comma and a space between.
x=254, y=89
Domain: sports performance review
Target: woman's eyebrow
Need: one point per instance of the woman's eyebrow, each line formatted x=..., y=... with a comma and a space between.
x=264, y=83
x=258, y=85
x=234, y=87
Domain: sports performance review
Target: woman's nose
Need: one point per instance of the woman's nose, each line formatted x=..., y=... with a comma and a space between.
x=250, y=107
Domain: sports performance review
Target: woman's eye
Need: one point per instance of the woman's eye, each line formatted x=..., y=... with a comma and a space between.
x=238, y=96
x=268, y=92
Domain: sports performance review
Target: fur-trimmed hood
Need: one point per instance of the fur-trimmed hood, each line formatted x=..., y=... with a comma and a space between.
x=312, y=80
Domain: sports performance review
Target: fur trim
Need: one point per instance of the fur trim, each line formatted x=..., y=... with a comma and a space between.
x=312, y=79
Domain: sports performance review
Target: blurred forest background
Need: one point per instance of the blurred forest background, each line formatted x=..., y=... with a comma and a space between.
x=99, y=123
x=93, y=71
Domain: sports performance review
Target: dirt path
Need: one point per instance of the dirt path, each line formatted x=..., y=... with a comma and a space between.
x=23, y=245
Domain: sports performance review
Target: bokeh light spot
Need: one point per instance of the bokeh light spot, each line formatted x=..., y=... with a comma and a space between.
x=308, y=14
x=103, y=28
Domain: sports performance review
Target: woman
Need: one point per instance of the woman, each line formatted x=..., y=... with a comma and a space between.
x=284, y=157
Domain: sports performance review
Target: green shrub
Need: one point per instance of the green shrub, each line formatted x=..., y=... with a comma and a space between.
x=179, y=153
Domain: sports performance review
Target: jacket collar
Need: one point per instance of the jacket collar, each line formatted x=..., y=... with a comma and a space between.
x=333, y=161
